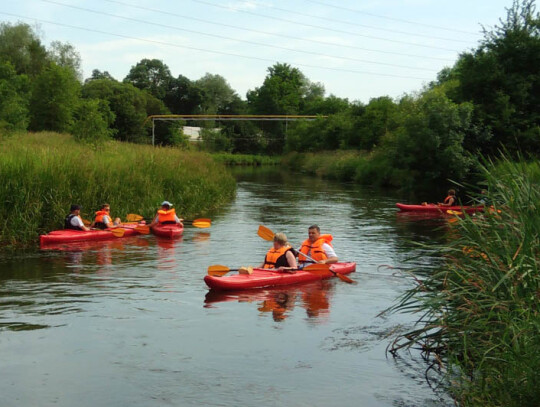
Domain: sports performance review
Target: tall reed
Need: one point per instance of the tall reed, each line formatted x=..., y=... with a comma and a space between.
x=479, y=313
x=42, y=174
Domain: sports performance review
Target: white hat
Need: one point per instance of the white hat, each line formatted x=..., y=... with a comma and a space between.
x=166, y=203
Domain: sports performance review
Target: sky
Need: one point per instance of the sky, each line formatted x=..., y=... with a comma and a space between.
x=357, y=49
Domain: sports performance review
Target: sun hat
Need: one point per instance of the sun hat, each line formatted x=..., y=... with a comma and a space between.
x=166, y=203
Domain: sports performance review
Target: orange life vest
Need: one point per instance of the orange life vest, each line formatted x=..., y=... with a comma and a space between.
x=166, y=216
x=447, y=199
x=100, y=215
x=317, y=252
x=273, y=255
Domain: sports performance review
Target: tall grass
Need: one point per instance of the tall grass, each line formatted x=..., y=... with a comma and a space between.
x=480, y=312
x=42, y=174
x=245, y=159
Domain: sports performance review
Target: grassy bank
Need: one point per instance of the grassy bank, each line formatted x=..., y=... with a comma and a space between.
x=245, y=159
x=43, y=173
x=480, y=317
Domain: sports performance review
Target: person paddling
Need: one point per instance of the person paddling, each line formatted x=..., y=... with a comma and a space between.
x=281, y=255
x=103, y=219
x=318, y=247
x=74, y=221
x=166, y=215
x=450, y=200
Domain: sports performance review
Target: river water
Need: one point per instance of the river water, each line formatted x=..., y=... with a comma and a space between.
x=130, y=322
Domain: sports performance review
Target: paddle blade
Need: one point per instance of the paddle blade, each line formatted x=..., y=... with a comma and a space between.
x=201, y=224
x=143, y=229
x=343, y=277
x=265, y=233
x=317, y=268
x=118, y=232
x=217, y=270
x=207, y=220
x=86, y=222
x=133, y=217
x=451, y=212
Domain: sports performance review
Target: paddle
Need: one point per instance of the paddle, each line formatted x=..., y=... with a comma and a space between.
x=218, y=270
x=267, y=234
x=198, y=223
x=118, y=232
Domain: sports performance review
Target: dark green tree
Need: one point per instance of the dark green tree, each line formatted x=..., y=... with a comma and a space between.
x=55, y=95
x=21, y=47
x=14, y=99
x=183, y=96
x=151, y=75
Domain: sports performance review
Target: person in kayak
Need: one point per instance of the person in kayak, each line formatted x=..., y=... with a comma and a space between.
x=166, y=215
x=450, y=200
x=103, y=219
x=318, y=247
x=74, y=221
x=281, y=255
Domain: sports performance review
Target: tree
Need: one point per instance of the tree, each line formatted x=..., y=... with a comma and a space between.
x=14, y=95
x=217, y=93
x=21, y=47
x=65, y=55
x=502, y=79
x=97, y=74
x=183, y=96
x=55, y=95
x=126, y=102
x=151, y=75
x=92, y=124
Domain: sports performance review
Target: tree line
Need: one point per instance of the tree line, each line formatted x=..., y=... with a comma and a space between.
x=488, y=100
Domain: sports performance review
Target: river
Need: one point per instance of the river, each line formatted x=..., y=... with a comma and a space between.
x=130, y=322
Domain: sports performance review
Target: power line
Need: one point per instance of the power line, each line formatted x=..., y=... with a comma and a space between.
x=323, y=28
x=237, y=40
x=326, y=18
x=210, y=51
x=389, y=18
x=193, y=18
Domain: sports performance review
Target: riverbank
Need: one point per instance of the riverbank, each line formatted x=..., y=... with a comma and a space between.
x=480, y=312
x=44, y=173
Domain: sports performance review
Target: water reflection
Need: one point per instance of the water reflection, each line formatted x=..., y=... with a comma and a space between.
x=279, y=302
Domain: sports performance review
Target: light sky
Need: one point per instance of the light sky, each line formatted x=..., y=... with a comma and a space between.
x=358, y=49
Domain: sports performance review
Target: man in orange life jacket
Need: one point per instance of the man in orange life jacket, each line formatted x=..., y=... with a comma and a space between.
x=318, y=247
x=103, y=219
x=166, y=215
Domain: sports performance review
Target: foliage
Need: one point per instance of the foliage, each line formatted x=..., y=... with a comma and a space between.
x=502, y=79
x=13, y=99
x=245, y=159
x=480, y=310
x=217, y=93
x=44, y=173
x=65, y=55
x=151, y=75
x=55, y=95
x=93, y=119
x=183, y=96
x=126, y=102
x=21, y=47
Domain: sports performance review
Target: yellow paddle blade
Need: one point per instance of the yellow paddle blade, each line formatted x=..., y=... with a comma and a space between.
x=143, y=229
x=206, y=220
x=202, y=225
x=133, y=217
x=451, y=212
x=343, y=277
x=317, y=268
x=118, y=232
x=86, y=222
x=265, y=233
x=218, y=270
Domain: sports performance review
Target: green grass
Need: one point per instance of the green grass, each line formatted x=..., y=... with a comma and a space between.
x=480, y=312
x=245, y=159
x=42, y=174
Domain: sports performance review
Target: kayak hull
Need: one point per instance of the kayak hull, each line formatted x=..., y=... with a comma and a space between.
x=271, y=278
x=68, y=235
x=437, y=208
x=169, y=231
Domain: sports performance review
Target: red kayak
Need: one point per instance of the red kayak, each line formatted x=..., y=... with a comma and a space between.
x=269, y=278
x=170, y=231
x=69, y=235
x=438, y=208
